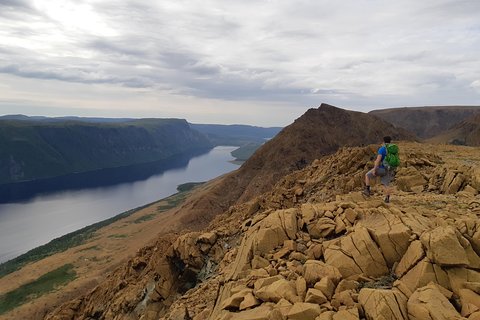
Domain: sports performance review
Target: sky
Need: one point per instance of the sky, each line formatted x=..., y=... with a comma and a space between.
x=262, y=62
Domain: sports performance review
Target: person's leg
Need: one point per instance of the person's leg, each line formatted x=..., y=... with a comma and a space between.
x=368, y=177
x=387, y=190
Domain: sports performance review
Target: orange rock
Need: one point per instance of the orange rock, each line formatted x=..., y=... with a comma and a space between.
x=423, y=273
x=356, y=253
x=412, y=256
x=383, y=304
x=301, y=286
x=429, y=303
x=233, y=303
x=315, y=270
x=304, y=311
x=249, y=301
x=443, y=247
x=315, y=296
x=278, y=290
x=259, y=313
x=389, y=233
x=348, y=314
x=327, y=286
x=470, y=302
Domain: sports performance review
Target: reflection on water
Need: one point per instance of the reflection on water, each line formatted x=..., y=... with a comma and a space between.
x=105, y=177
x=41, y=217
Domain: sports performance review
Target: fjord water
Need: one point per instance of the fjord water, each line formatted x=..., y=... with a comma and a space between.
x=34, y=219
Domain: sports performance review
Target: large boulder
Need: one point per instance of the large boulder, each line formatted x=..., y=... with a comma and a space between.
x=389, y=232
x=185, y=249
x=277, y=227
x=423, y=273
x=409, y=179
x=356, y=254
x=314, y=270
x=470, y=302
x=445, y=246
x=281, y=289
x=315, y=296
x=453, y=182
x=233, y=303
x=460, y=278
x=304, y=311
x=428, y=303
x=383, y=304
x=259, y=313
x=321, y=228
x=412, y=256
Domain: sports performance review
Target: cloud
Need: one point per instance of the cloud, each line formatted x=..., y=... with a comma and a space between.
x=359, y=54
x=476, y=85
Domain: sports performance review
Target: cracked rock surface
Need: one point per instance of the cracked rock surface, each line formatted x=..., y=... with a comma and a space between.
x=326, y=252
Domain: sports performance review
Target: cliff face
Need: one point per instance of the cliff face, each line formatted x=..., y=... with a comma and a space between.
x=465, y=133
x=34, y=150
x=427, y=122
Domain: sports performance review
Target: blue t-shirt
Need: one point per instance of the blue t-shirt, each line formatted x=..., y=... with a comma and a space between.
x=383, y=152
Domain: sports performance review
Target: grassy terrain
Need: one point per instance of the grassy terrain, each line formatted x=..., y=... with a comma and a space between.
x=176, y=199
x=245, y=152
x=79, y=237
x=144, y=218
x=118, y=236
x=89, y=248
x=188, y=186
x=29, y=291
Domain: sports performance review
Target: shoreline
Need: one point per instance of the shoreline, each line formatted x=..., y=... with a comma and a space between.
x=28, y=224
x=103, y=177
x=80, y=236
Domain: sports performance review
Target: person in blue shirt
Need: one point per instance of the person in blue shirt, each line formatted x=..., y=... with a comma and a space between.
x=379, y=170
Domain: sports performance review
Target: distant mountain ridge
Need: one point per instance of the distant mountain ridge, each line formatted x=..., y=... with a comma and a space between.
x=427, y=122
x=465, y=133
x=36, y=147
x=218, y=134
x=42, y=149
x=236, y=134
x=22, y=117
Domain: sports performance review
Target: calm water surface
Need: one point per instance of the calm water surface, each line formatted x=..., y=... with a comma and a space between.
x=28, y=223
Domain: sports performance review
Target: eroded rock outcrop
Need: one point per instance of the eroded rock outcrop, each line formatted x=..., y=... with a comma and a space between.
x=329, y=253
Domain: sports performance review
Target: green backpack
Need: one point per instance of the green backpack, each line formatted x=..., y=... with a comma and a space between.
x=392, y=160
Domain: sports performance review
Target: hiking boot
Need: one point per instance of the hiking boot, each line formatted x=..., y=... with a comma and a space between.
x=366, y=192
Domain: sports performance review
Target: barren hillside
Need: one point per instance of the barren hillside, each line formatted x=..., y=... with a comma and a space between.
x=315, y=248
x=465, y=133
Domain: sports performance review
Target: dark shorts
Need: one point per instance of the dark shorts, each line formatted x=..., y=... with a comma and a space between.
x=386, y=176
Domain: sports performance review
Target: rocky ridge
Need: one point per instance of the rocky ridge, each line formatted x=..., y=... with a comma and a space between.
x=315, y=248
x=317, y=133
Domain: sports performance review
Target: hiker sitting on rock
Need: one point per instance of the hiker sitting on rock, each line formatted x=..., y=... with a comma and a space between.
x=385, y=164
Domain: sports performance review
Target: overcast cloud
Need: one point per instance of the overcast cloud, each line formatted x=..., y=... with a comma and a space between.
x=256, y=62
